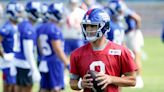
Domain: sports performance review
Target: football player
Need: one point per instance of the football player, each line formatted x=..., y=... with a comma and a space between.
x=51, y=48
x=114, y=63
x=44, y=20
x=133, y=36
x=7, y=39
x=116, y=33
x=73, y=34
x=27, y=71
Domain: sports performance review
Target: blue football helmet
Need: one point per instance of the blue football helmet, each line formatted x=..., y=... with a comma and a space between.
x=55, y=11
x=117, y=7
x=15, y=11
x=33, y=10
x=96, y=17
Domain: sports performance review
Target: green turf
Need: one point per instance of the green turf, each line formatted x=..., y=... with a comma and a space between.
x=153, y=68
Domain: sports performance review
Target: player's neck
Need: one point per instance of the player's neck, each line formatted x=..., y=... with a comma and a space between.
x=13, y=22
x=99, y=44
x=32, y=21
x=55, y=22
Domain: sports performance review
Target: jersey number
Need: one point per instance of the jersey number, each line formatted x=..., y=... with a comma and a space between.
x=16, y=47
x=45, y=47
x=100, y=64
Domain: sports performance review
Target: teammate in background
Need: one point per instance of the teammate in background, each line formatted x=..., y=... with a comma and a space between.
x=44, y=18
x=72, y=34
x=51, y=48
x=133, y=35
x=116, y=33
x=27, y=71
x=113, y=62
x=7, y=39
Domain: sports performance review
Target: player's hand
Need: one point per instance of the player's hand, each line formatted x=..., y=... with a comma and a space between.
x=8, y=57
x=36, y=77
x=104, y=79
x=87, y=81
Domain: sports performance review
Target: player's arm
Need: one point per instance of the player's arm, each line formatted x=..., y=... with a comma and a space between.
x=137, y=18
x=74, y=82
x=78, y=83
x=128, y=79
x=1, y=52
x=56, y=44
x=28, y=52
x=28, y=45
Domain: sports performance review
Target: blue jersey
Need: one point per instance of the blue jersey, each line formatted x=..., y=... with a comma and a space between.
x=131, y=23
x=116, y=33
x=38, y=27
x=7, y=32
x=26, y=32
x=46, y=33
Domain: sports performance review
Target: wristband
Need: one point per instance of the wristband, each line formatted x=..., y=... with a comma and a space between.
x=79, y=84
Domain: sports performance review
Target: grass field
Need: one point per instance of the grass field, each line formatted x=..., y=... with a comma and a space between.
x=153, y=68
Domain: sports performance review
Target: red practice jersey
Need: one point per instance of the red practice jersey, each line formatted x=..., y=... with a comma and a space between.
x=113, y=60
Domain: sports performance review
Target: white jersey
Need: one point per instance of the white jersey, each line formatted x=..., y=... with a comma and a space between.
x=73, y=29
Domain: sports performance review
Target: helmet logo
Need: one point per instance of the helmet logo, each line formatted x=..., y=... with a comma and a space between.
x=89, y=12
x=104, y=16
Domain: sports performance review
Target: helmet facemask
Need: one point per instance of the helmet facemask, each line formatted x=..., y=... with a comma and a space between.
x=95, y=31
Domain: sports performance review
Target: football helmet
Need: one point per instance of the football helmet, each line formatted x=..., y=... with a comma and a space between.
x=33, y=10
x=117, y=7
x=95, y=17
x=15, y=11
x=55, y=11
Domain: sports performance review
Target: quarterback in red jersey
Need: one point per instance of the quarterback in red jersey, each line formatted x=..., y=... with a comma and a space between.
x=114, y=63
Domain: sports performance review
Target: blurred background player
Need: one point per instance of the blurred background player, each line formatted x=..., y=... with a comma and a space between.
x=51, y=49
x=116, y=33
x=27, y=71
x=112, y=61
x=72, y=33
x=8, y=32
x=133, y=35
x=44, y=20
